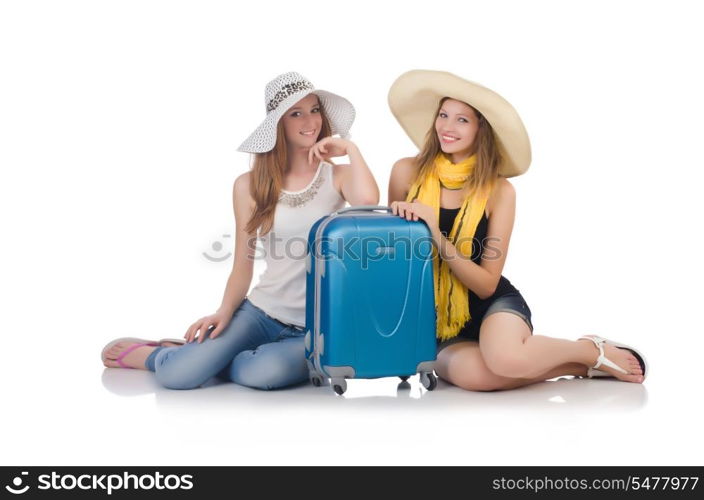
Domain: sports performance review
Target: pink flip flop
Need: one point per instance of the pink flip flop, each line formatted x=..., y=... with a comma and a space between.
x=129, y=350
x=138, y=343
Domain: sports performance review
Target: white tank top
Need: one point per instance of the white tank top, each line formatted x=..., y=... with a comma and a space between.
x=281, y=290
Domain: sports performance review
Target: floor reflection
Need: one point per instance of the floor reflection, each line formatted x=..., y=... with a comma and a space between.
x=564, y=394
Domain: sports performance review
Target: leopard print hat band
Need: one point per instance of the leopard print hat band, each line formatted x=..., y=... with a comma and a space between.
x=281, y=94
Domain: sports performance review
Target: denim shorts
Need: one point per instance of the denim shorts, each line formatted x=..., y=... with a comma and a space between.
x=511, y=302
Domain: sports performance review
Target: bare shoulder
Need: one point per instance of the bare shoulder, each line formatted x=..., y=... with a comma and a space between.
x=240, y=190
x=404, y=168
x=504, y=193
x=241, y=186
x=402, y=176
x=505, y=188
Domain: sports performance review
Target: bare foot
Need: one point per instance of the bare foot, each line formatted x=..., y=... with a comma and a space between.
x=623, y=358
x=134, y=359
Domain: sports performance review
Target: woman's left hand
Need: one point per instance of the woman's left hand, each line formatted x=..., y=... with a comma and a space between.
x=415, y=210
x=330, y=147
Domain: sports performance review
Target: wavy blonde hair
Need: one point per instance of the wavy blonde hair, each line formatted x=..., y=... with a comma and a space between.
x=267, y=177
x=486, y=171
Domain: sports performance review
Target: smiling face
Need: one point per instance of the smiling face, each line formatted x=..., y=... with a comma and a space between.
x=303, y=122
x=456, y=126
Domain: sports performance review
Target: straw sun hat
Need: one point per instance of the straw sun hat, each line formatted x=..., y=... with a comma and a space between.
x=414, y=98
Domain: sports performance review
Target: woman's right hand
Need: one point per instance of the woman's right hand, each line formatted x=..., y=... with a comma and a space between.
x=198, y=330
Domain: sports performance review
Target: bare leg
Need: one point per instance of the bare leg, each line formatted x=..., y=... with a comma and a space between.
x=462, y=365
x=509, y=349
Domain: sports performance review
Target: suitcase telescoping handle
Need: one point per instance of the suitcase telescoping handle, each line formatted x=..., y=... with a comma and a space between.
x=364, y=208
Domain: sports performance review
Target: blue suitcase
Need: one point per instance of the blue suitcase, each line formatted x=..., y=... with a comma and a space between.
x=370, y=305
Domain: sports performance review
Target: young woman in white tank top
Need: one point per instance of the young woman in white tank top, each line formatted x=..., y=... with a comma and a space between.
x=256, y=339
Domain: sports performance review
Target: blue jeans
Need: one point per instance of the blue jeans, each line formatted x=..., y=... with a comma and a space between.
x=254, y=350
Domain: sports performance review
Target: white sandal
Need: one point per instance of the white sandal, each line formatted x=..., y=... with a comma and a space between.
x=599, y=342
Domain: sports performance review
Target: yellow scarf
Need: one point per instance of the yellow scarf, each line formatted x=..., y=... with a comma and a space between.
x=451, y=297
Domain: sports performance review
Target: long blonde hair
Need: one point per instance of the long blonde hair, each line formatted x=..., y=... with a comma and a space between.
x=486, y=171
x=267, y=177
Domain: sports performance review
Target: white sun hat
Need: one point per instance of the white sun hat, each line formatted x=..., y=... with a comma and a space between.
x=414, y=98
x=281, y=94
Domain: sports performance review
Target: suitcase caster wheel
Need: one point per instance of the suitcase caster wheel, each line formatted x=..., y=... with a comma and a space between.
x=339, y=386
x=429, y=381
x=316, y=380
x=404, y=378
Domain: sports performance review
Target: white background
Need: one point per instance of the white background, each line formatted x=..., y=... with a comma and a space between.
x=118, y=128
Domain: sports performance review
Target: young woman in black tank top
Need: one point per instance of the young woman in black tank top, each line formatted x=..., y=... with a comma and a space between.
x=495, y=349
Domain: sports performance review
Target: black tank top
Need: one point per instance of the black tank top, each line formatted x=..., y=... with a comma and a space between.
x=477, y=306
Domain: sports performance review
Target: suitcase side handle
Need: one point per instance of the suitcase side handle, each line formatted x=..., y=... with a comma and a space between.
x=364, y=208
